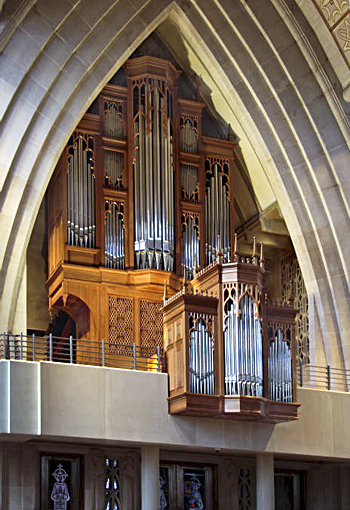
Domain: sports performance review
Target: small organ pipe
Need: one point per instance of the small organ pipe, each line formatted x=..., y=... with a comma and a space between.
x=80, y=194
x=217, y=214
x=280, y=369
x=201, y=357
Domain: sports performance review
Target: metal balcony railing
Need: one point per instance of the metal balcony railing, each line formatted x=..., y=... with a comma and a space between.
x=81, y=351
x=133, y=357
x=323, y=377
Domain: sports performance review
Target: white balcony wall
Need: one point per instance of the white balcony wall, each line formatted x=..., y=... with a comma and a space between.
x=56, y=400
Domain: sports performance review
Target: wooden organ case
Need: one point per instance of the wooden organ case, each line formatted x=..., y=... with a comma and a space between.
x=140, y=198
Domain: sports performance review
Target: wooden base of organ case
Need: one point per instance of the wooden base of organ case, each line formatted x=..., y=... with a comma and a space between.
x=122, y=307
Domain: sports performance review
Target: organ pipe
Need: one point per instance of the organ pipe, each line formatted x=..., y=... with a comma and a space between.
x=114, y=235
x=243, y=348
x=190, y=245
x=81, y=192
x=217, y=212
x=201, y=355
x=280, y=369
x=153, y=177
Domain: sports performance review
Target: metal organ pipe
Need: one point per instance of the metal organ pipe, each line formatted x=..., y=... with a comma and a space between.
x=201, y=356
x=190, y=246
x=217, y=208
x=243, y=348
x=153, y=178
x=280, y=369
x=114, y=237
x=81, y=193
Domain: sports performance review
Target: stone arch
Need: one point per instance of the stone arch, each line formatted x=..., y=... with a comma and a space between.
x=267, y=77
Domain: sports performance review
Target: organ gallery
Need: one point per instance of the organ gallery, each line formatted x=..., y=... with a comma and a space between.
x=142, y=252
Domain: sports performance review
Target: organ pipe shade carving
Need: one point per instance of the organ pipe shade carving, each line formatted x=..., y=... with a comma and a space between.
x=112, y=485
x=201, y=354
x=153, y=174
x=243, y=345
x=151, y=324
x=189, y=135
x=113, y=126
x=114, y=167
x=217, y=209
x=190, y=243
x=114, y=235
x=245, y=489
x=280, y=366
x=81, y=191
x=120, y=323
x=189, y=182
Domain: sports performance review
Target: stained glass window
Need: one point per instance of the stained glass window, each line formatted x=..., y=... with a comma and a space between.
x=112, y=485
x=194, y=489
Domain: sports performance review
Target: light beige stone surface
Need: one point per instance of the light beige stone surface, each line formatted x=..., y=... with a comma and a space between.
x=265, y=487
x=149, y=477
x=261, y=60
x=80, y=403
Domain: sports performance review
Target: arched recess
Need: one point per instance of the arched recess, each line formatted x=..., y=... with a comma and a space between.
x=63, y=328
x=78, y=311
x=266, y=82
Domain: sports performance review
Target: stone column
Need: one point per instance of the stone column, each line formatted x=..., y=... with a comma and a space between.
x=265, y=487
x=149, y=477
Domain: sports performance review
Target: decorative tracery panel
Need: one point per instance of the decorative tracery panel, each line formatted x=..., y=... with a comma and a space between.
x=290, y=275
x=113, y=118
x=245, y=488
x=112, y=485
x=114, y=169
x=120, y=321
x=217, y=208
x=81, y=190
x=114, y=234
x=189, y=133
x=189, y=175
x=190, y=243
x=151, y=324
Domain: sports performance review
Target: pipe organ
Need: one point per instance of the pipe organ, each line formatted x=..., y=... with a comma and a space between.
x=140, y=196
x=238, y=361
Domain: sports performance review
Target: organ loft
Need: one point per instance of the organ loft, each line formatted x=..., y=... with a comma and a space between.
x=142, y=251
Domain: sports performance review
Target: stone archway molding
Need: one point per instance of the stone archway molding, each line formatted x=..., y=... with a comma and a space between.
x=51, y=76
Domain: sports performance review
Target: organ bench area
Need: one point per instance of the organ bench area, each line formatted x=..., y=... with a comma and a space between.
x=140, y=197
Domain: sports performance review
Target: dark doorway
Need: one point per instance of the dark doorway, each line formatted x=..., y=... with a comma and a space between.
x=289, y=491
x=62, y=329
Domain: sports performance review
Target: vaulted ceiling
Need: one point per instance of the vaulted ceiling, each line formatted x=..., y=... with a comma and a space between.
x=272, y=69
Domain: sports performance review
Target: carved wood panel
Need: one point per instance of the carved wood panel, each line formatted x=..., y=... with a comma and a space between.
x=120, y=321
x=151, y=324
